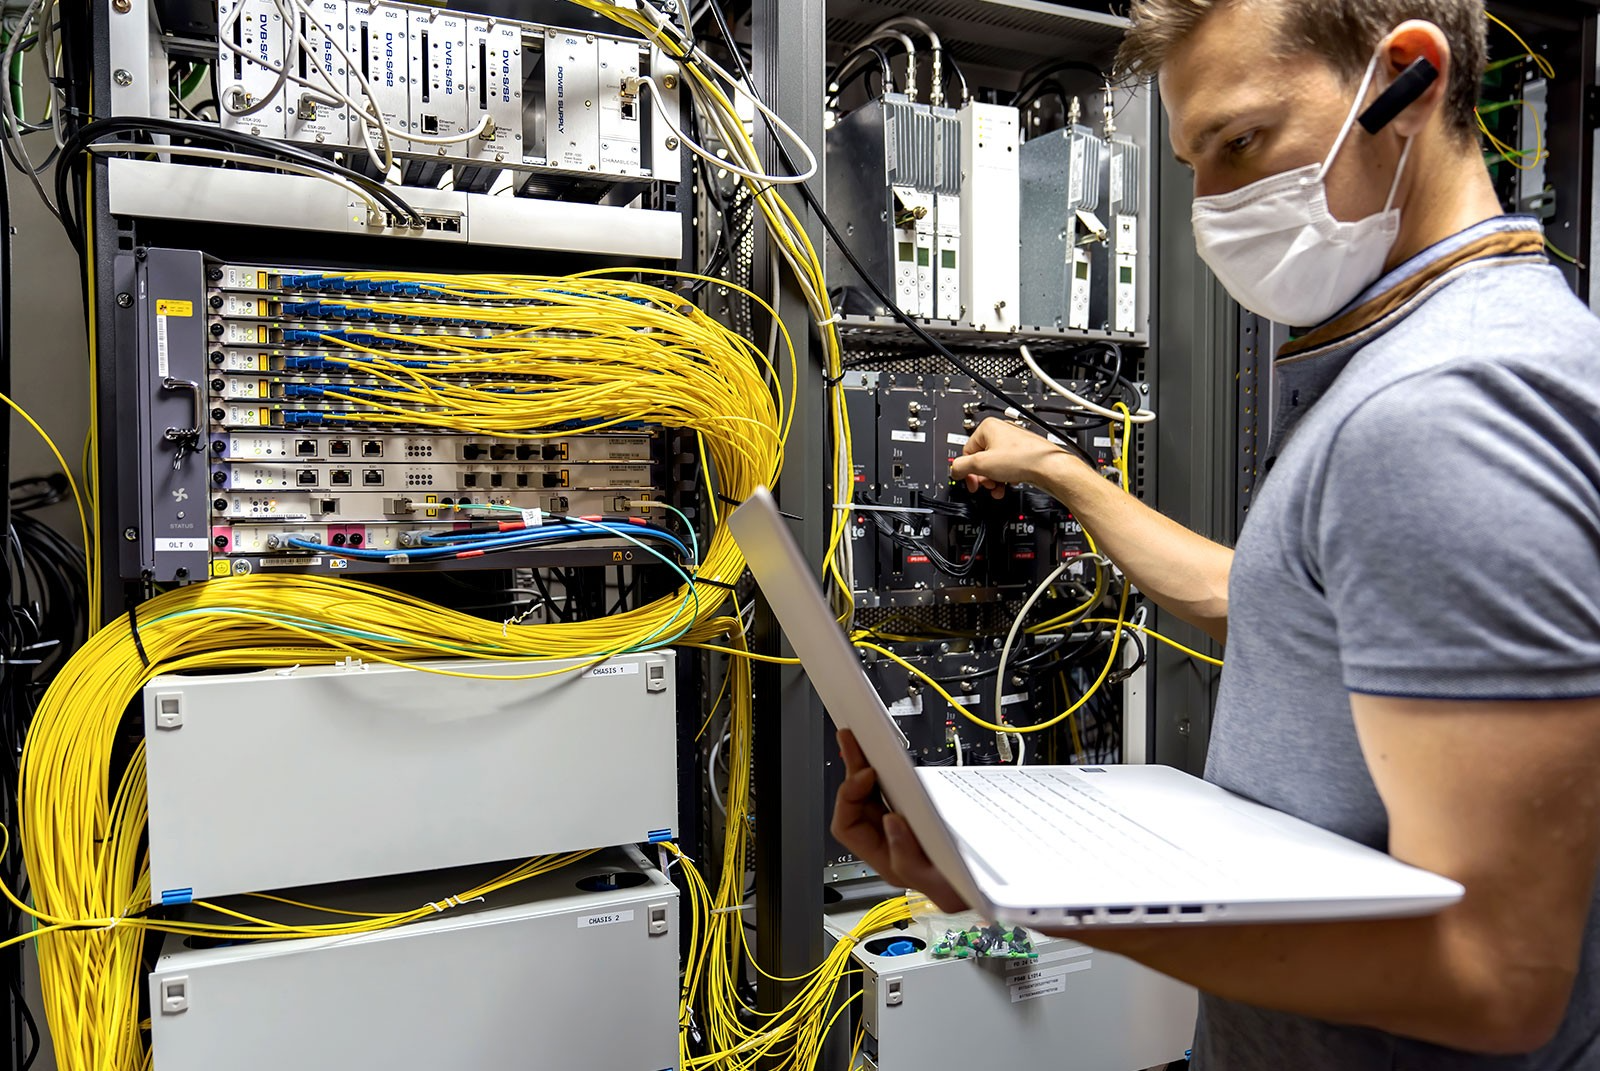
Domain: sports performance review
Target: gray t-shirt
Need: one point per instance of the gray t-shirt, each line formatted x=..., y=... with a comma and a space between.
x=1429, y=528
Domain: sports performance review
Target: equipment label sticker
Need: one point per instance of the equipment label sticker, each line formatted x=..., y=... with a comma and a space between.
x=169, y=307
x=610, y=919
x=909, y=436
x=614, y=669
x=957, y=440
x=1044, y=983
x=163, y=545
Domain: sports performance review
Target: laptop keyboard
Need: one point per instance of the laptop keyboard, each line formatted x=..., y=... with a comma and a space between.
x=1046, y=812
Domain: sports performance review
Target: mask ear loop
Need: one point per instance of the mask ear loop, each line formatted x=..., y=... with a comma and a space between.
x=1350, y=120
x=1394, y=187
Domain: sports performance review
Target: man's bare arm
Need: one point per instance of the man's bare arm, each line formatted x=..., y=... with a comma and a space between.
x=1184, y=573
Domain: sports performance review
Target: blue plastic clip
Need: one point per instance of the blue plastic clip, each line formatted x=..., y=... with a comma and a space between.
x=656, y=836
x=178, y=896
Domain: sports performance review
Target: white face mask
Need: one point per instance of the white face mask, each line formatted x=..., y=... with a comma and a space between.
x=1277, y=248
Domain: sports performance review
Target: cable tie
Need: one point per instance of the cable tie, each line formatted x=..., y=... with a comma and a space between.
x=837, y=317
x=138, y=644
x=727, y=910
x=833, y=381
x=723, y=584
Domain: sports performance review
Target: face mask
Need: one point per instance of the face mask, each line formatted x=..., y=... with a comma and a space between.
x=1277, y=248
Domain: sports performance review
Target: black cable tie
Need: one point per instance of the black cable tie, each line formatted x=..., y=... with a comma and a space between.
x=736, y=503
x=723, y=584
x=833, y=381
x=138, y=644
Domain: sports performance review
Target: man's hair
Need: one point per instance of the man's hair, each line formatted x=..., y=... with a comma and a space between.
x=1346, y=32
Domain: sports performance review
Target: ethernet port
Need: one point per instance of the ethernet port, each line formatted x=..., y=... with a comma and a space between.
x=501, y=452
x=433, y=223
x=372, y=477
x=341, y=478
x=430, y=124
x=306, y=477
x=630, y=110
x=452, y=225
x=339, y=448
x=372, y=448
x=305, y=447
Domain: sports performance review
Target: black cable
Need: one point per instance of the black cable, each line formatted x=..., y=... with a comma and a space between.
x=77, y=145
x=1032, y=79
x=844, y=74
x=916, y=328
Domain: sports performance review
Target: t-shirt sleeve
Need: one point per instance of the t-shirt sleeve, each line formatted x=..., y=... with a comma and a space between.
x=1457, y=537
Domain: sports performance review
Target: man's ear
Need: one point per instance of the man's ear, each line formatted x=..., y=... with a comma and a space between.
x=1419, y=93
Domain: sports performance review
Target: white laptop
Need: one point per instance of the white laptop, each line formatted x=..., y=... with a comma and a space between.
x=1081, y=845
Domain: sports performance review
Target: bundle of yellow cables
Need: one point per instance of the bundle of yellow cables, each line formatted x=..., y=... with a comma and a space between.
x=597, y=345
x=736, y=1036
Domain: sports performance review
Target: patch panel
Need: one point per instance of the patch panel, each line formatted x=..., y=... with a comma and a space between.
x=272, y=451
x=367, y=473
x=324, y=446
x=345, y=498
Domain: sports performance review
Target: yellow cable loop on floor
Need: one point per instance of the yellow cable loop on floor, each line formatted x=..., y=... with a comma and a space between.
x=582, y=349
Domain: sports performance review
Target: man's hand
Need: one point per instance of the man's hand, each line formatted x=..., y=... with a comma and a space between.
x=1000, y=453
x=879, y=838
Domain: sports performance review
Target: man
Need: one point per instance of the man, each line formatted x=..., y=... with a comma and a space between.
x=1413, y=609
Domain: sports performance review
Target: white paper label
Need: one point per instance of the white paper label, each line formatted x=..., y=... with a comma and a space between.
x=614, y=669
x=906, y=707
x=1071, y=951
x=909, y=436
x=1011, y=700
x=1102, y=441
x=610, y=919
x=958, y=440
x=180, y=544
x=1116, y=180
x=270, y=562
x=1044, y=983
x=161, y=346
x=532, y=518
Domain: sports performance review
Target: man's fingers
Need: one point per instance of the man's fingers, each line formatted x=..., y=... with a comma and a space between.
x=912, y=867
x=850, y=751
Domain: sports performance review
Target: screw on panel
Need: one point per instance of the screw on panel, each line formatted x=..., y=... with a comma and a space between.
x=125, y=301
x=122, y=77
x=122, y=7
x=672, y=144
x=130, y=534
x=669, y=82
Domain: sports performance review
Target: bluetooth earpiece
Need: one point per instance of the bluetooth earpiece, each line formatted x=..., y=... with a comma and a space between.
x=1412, y=83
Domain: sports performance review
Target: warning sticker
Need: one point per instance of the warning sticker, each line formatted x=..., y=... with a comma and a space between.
x=169, y=307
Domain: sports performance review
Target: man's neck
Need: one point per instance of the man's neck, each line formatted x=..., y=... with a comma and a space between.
x=1449, y=192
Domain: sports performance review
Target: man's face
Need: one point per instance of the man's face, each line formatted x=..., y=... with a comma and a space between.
x=1241, y=110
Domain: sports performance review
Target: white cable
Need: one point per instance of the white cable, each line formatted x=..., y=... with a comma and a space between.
x=1011, y=637
x=1022, y=748
x=241, y=158
x=663, y=108
x=1141, y=416
x=955, y=736
x=711, y=774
